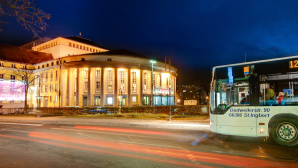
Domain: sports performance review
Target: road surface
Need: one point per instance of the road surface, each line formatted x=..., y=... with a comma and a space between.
x=52, y=145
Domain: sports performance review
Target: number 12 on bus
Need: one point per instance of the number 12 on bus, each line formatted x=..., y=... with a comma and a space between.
x=257, y=99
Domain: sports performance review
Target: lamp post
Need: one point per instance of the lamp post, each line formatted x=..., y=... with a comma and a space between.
x=152, y=62
x=169, y=84
x=120, y=100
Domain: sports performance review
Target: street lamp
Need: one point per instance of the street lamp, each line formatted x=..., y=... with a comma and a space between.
x=169, y=84
x=120, y=100
x=152, y=62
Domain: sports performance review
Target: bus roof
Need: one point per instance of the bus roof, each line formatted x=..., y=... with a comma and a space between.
x=255, y=62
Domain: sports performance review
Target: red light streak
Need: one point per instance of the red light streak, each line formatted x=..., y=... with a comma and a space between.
x=122, y=130
x=174, y=153
x=108, y=152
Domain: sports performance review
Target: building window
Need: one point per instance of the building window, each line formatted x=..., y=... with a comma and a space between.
x=47, y=77
x=96, y=101
x=41, y=77
x=97, y=73
x=47, y=65
x=51, y=76
x=51, y=87
x=122, y=82
x=38, y=67
x=87, y=48
x=70, y=44
x=82, y=59
x=110, y=81
x=56, y=75
x=1, y=64
x=42, y=66
x=97, y=86
x=80, y=47
x=86, y=73
x=73, y=45
x=109, y=100
x=77, y=46
x=52, y=63
x=51, y=99
x=45, y=88
x=134, y=99
x=12, y=77
x=84, y=48
x=13, y=65
x=23, y=78
x=86, y=86
x=57, y=62
x=134, y=82
x=56, y=87
x=146, y=100
x=109, y=59
x=1, y=76
x=145, y=80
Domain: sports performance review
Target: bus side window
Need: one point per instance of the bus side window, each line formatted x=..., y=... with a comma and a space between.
x=267, y=95
x=243, y=95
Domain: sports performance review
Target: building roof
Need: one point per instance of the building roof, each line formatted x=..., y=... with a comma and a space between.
x=19, y=54
x=84, y=40
x=122, y=52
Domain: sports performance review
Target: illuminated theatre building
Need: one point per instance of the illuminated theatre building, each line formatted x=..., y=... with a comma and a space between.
x=85, y=74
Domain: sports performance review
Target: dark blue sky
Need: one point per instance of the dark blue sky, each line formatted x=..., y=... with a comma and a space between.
x=195, y=34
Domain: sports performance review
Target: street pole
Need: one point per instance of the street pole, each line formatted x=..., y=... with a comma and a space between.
x=169, y=85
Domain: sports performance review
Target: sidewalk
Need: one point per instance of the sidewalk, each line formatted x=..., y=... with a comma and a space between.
x=143, y=123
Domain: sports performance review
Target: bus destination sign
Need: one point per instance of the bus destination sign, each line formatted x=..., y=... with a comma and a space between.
x=293, y=64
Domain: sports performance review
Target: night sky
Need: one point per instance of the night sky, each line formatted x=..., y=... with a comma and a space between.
x=197, y=35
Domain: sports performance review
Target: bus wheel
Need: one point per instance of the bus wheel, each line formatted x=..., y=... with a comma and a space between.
x=284, y=131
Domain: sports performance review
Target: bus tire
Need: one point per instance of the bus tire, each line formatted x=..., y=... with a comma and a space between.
x=284, y=131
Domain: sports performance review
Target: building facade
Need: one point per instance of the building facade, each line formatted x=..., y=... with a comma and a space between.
x=85, y=74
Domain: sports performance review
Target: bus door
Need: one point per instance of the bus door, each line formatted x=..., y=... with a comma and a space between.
x=239, y=116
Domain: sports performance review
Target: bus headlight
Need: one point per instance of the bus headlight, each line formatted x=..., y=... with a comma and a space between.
x=262, y=131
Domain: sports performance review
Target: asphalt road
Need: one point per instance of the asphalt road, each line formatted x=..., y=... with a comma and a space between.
x=46, y=145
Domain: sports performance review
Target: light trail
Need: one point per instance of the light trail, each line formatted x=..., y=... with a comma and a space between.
x=174, y=153
x=122, y=130
x=181, y=163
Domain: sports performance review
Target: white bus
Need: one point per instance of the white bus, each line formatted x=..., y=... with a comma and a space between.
x=257, y=99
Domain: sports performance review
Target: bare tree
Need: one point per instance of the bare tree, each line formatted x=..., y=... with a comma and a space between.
x=29, y=16
x=26, y=60
x=28, y=78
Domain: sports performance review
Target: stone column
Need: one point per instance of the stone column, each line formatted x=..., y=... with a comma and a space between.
x=128, y=87
x=68, y=87
x=116, y=100
x=141, y=88
x=102, y=99
x=89, y=87
x=78, y=85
